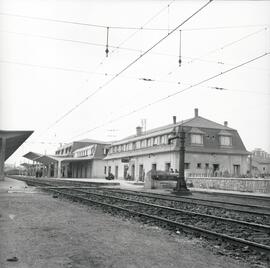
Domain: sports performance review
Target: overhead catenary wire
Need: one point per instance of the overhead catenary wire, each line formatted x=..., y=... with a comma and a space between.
x=101, y=26
x=192, y=59
x=101, y=63
x=170, y=95
x=126, y=67
x=221, y=48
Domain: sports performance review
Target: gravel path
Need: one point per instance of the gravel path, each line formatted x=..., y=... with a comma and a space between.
x=42, y=231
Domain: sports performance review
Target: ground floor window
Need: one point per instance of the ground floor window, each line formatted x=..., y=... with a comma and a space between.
x=154, y=166
x=167, y=167
x=187, y=165
x=105, y=170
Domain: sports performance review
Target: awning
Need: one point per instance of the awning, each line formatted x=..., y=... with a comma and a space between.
x=52, y=159
x=14, y=139
x=47, y=159
x=32, y=156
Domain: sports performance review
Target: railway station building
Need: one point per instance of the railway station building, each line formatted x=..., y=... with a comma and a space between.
x=78, y=159
x=212, y=149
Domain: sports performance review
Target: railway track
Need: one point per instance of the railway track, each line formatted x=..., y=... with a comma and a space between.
x=250, y=236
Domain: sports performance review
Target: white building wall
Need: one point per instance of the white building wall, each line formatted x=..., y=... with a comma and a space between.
x=225, y=163
x=98, y=169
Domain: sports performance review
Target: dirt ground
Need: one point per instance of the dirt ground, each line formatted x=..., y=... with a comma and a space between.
x=42, y=231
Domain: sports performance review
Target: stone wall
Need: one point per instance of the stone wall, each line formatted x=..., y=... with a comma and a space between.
x=232, y=184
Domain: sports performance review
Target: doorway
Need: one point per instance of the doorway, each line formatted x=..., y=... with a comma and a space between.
x=116, y=172
x=132, y=172
x=141, y=173
x=215, y=169
x=236, y=170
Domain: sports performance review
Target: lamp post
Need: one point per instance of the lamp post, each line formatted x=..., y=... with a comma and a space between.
x=181, y=186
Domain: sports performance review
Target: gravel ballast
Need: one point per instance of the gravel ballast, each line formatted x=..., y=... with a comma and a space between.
x=37, y=230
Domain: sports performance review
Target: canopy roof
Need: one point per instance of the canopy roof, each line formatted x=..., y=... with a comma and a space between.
x=14, y=139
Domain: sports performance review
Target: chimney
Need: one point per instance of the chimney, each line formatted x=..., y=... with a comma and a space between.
x=196, y=112
x=225, y=123
x=138, y=131
x=174, y=119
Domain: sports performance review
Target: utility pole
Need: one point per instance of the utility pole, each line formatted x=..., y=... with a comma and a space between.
x=181, y=186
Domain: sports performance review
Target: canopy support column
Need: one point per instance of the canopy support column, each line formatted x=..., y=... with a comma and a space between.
x=59, y=169
x=2, y=158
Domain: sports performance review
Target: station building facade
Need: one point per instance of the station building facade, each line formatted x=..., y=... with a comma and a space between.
x=212, y=149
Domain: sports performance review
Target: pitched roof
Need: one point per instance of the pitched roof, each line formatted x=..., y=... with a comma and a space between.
x=199, y=121
x=196, y=130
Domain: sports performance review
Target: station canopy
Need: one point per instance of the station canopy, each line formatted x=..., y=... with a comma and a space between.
x=52, y=159
x=14, y=139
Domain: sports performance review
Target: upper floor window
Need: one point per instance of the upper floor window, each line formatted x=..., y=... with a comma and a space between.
x=143, y=143
x=150, y=142
x=138, y=144
x=164, y=139
x=129, y=146
x=156, y=141
x=196, y=138
x=225, y=140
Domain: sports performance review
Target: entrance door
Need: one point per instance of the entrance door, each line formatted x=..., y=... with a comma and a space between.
x=141, y=173
x=215, y=169
x=236, y=170
x=116, y=172
x=133, y=172
x=125, y=171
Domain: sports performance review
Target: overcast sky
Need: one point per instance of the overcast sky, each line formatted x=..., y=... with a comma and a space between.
x=42, y=77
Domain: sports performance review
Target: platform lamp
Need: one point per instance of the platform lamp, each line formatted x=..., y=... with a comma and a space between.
x=181, y=186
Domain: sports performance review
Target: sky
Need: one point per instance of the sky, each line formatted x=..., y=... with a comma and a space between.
x=55, y=77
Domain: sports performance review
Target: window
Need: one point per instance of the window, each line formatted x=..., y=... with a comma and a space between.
x=225, y=140
x=123, y=147
x=167, y=167
x=164, y=139
x=196, y=139
x=150, y=142
x=199, y=165
x=105, y=170
x=154, y=166
x=156, y=141
x=143, y=143
x=187, y=165
x=206, y=165
x=138, y=144
x=129, y=146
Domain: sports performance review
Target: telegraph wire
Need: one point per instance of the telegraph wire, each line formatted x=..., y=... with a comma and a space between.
x=170, y=95
x=125, y=68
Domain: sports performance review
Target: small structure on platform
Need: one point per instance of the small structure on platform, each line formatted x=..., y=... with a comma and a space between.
x=10, y=141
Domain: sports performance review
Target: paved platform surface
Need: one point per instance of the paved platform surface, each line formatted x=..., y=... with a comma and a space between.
x=39, y=231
